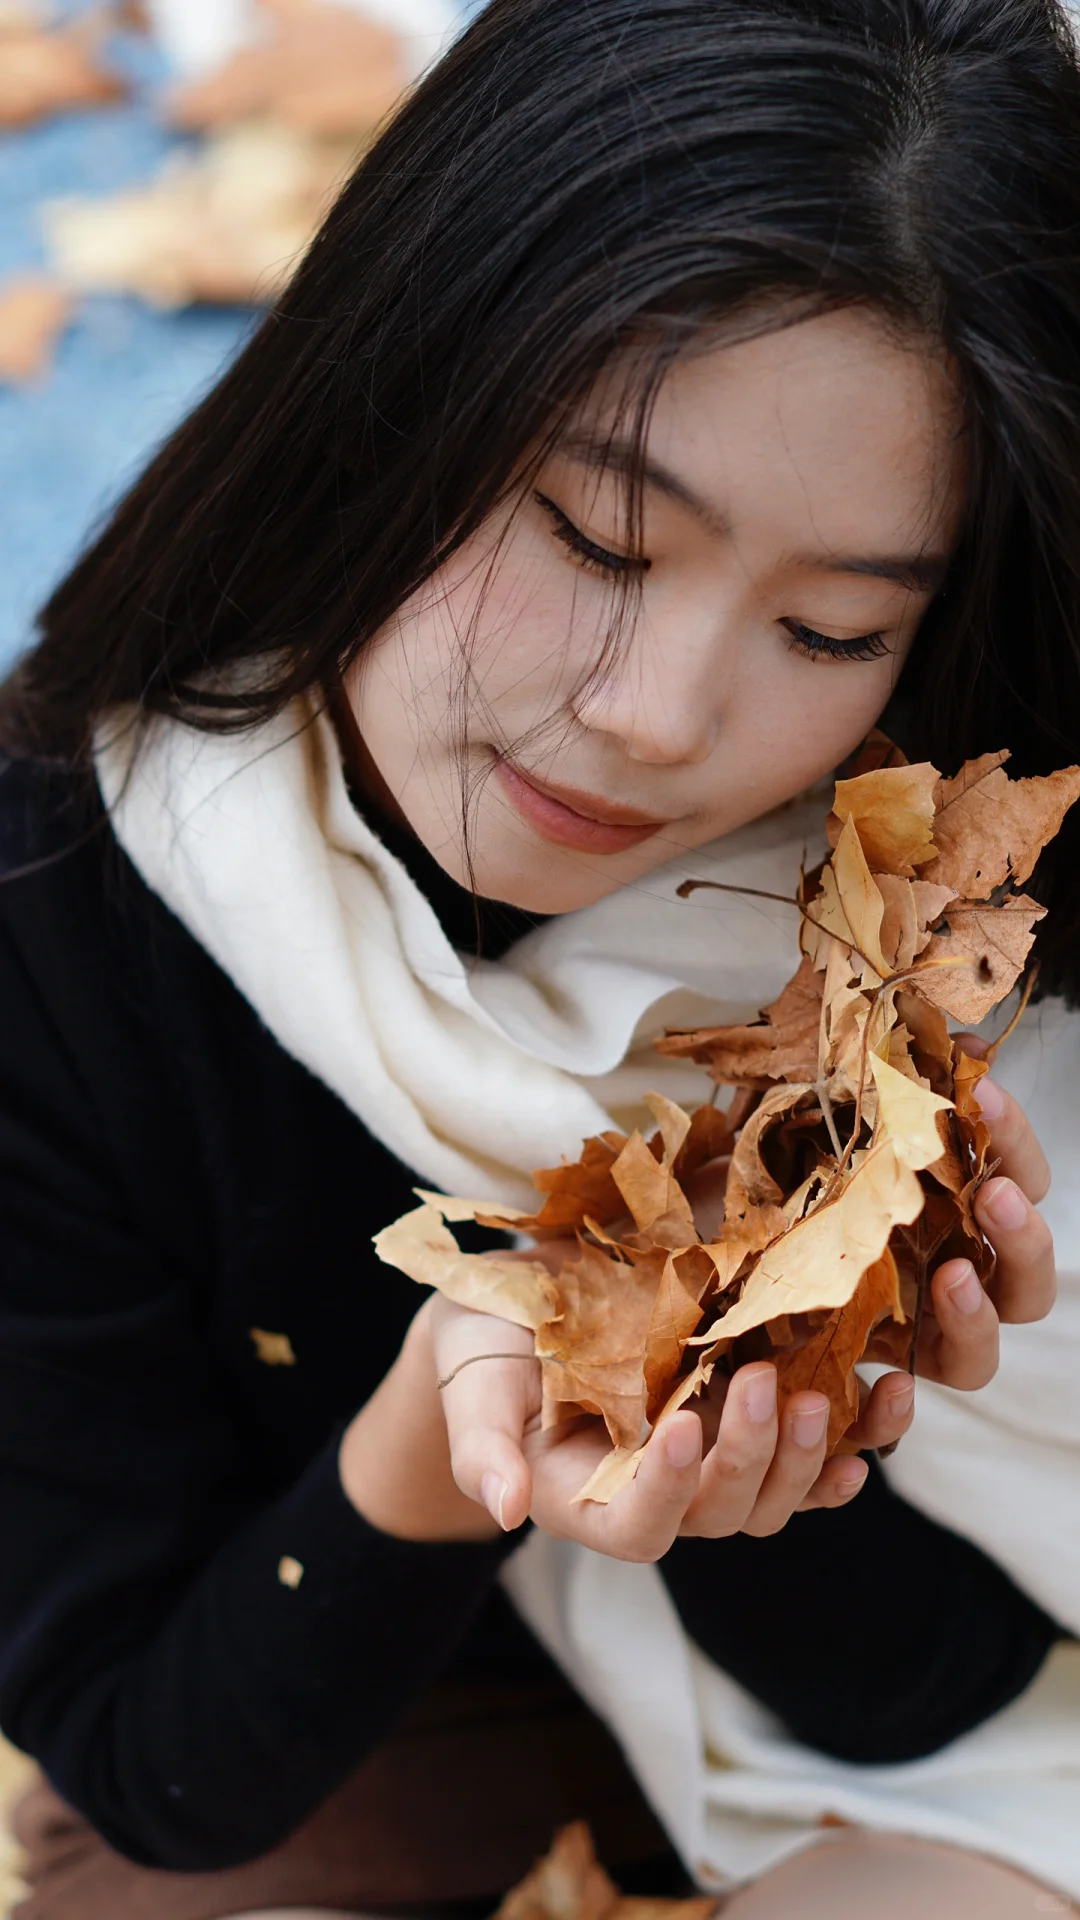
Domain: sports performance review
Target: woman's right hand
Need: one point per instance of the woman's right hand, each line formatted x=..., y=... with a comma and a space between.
x=751, y=1477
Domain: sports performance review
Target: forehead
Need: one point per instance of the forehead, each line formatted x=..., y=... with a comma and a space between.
x=835, y=434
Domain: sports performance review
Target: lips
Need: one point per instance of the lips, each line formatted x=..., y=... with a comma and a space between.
x=570, y=817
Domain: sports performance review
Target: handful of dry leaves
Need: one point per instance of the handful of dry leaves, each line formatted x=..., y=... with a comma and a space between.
x=855, y=1143
x=570, y=1884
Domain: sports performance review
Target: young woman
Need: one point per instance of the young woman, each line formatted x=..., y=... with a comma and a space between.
x=675, y=386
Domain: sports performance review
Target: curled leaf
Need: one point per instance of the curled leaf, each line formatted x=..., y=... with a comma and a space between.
x=892, y=811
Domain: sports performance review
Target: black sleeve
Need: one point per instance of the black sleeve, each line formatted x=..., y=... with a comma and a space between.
x=194, y=1704
x=873, y=1633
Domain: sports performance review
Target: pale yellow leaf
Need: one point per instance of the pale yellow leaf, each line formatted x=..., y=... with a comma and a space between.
x=819, y=1263
x=421, y=1245
x=657, y=1203
x=892, y=811
x=860, y=899
x=907, y=1115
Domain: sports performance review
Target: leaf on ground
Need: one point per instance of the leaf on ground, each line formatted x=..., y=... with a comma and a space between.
x=990, y=829
x=45, y=71
x=892, y=812
x=320, y=68
x=227, y=224
x=34, y=312
x=569, y=1884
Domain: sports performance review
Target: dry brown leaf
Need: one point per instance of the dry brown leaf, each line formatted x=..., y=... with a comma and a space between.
x=592, y=1349
x=43, y=72
x=843, y=1190
x=750, y=1185
x=34, y=311
x=321, y=69
x=567, y=1884
x=657, y=1204
x=907, y=1115
x=421, y=1245
x=892, y=812
x=990, y=829
x=819, y=1262
x=860, y=900
x=619, y=1467
x=579, y=1190
x=990, y=946
x=911, y=908
x=783, y=1045
x=676, y=1314
x=273, y=1349
x=711, y=1137
x=826, y=1363
x=227, y=225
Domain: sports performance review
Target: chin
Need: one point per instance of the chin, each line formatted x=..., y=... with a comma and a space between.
x=547, y=887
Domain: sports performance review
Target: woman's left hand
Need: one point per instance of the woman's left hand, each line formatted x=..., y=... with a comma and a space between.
x=960, y=1337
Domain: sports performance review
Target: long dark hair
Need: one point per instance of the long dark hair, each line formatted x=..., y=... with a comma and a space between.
x=575, y=176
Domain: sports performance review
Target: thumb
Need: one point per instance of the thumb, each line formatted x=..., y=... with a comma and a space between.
x=489, y=1388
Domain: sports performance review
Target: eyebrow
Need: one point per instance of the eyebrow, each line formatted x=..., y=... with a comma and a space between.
x=917, y=572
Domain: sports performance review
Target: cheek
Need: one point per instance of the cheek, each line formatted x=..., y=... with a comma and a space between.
x=804, y=721
x=520, y=631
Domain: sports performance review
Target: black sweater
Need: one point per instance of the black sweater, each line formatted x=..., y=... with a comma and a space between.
x=171, y=1180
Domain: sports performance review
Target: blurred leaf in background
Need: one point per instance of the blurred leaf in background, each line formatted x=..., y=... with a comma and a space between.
x=141, y=227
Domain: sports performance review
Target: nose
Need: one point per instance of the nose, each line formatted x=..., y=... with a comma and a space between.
x=659, y=696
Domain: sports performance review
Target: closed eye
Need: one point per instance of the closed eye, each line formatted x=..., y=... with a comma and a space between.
x=588, y=552
x=822, y=646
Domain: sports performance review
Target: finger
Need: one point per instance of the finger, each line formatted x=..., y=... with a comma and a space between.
x=1013, y=1140
x=797, y=1464
x=735, y=1467
x=960, y=1338
x=1024, y=1283
x=642, y=1519
x=886, y=1413
x=486, y=1401
x=838, y=1482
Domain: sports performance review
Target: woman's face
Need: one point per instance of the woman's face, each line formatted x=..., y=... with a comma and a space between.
x=803, y=494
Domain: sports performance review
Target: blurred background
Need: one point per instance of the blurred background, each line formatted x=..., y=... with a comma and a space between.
x=162, y=163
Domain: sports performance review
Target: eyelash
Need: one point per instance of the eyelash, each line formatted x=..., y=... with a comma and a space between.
x=598, y=559
x=821, y=646
x=806, y=640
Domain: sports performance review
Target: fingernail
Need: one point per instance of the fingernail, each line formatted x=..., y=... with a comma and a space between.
x=851, y=1478
x=965, y=1293
x=991, y=1099
x=493, y=1493
x=902, y=1398
x=759, y=1396
x=682, y=1445
x=1006, y=1205
x=808, y=1425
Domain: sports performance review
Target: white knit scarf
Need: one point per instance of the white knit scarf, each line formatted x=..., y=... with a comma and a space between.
x=476, y=1072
